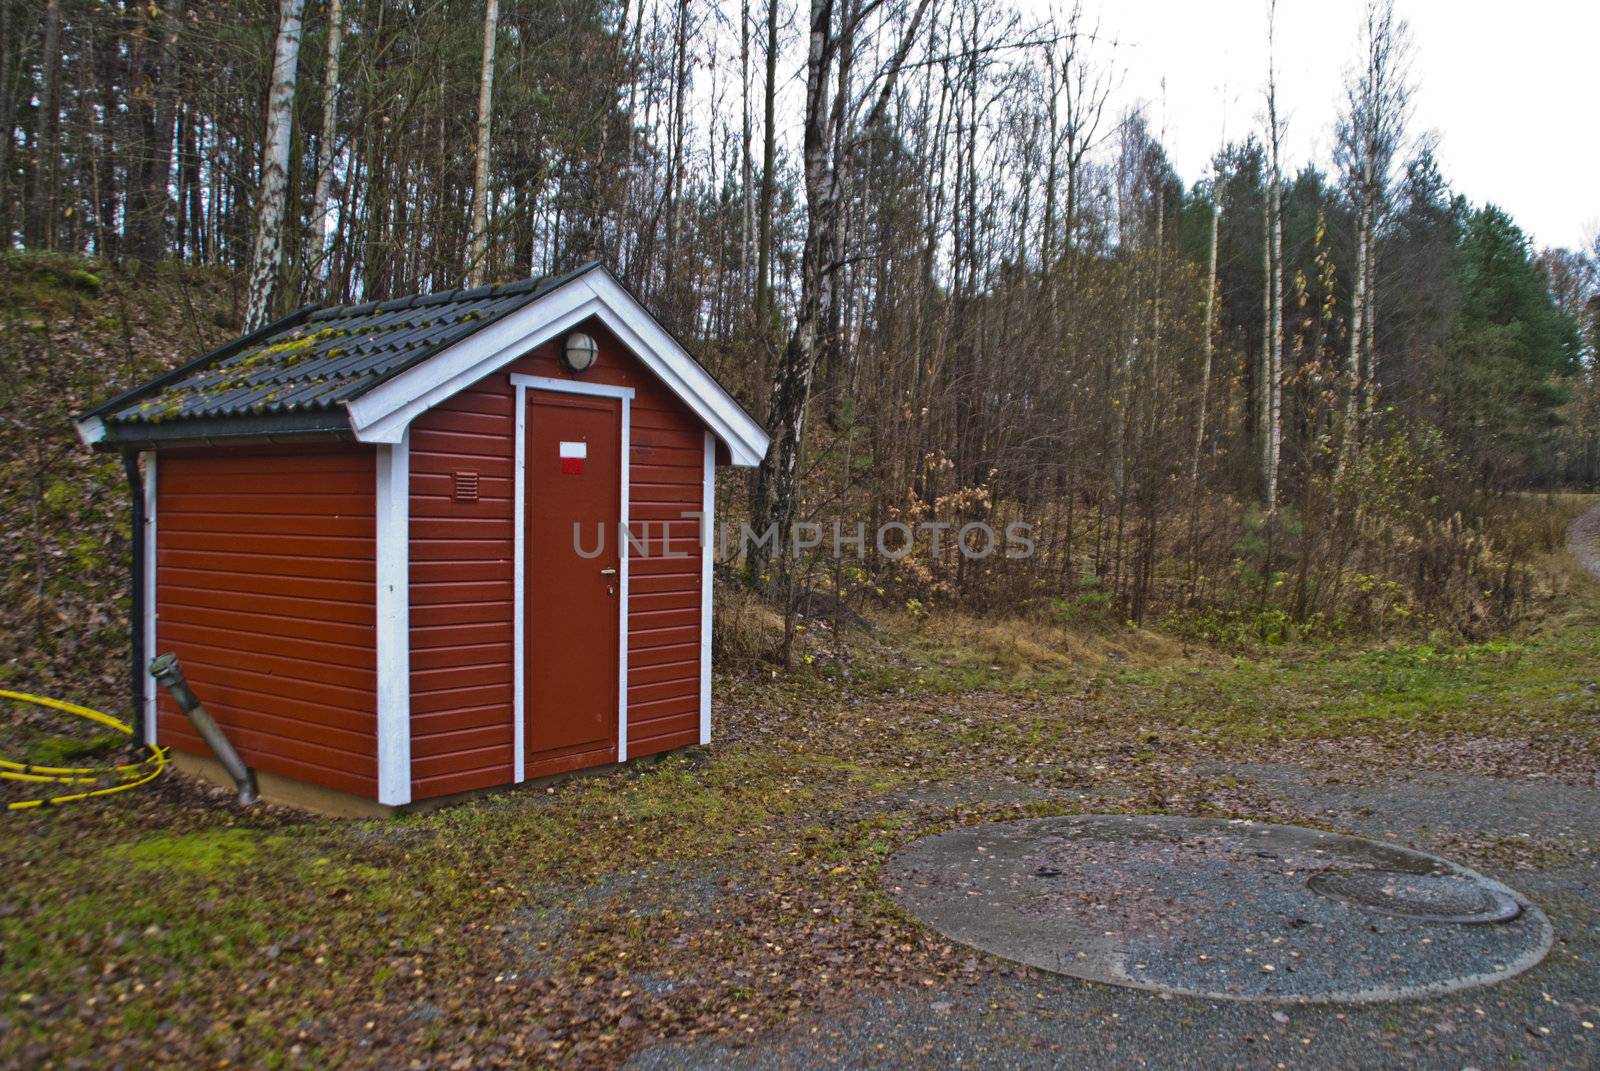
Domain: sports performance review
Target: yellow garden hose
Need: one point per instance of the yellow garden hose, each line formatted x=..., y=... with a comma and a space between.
x=129, y=775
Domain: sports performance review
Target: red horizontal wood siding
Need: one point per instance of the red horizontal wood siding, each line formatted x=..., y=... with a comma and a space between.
x=461, y=595
x=265, y=570
x=461, y=577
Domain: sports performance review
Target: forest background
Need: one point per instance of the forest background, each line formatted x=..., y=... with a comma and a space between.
x=919, y=239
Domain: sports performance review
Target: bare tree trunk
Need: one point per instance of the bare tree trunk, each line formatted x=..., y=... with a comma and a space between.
x=327, y=143
x=778, y=480
x=272, y=205
x=10, y=91
x=1358, y=337
x=1264, y=361
x=1369, y=322
x=147, y=193
x=1275, y=371
x=776, y=503
x=1370, y=135
x=1272, y=339
x=477, y=256
x=746, y=164
x=1158, y=292
x=677, y=126
x=769, y=187
x=1206, y=350
x=41, y=222
x=1208, y=345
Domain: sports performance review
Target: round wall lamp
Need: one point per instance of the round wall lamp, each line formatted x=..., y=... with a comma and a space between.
x=578, y=352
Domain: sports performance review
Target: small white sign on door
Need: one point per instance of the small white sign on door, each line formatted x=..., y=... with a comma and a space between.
x=578, y=450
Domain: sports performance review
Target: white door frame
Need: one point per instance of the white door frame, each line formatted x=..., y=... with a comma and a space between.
x=523, y=384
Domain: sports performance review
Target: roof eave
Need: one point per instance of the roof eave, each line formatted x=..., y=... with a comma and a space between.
x=319, y=425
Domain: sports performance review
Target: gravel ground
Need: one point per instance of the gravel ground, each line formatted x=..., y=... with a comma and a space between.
x=1023, y=1018
x=1536, y=836
x=1583, y=539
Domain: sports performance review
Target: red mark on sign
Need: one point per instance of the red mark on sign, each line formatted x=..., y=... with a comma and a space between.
x=572, y=458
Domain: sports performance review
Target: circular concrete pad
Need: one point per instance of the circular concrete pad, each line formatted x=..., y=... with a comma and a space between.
x=1214, y=908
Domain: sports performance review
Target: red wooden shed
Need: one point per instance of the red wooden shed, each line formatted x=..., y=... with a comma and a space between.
x=425, y=546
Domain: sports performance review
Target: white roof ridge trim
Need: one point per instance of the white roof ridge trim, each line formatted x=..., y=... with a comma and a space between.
x=383, y=413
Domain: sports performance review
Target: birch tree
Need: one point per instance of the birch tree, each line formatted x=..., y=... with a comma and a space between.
x=40, y=220
x=1371, y=132
x=1208, y=330
x=832, y=130
x=477, y=253
x=1208, y=327
x=1272, y=255
x=769, y=184
x=746, y=163
x=272, y=203
x=327, y=144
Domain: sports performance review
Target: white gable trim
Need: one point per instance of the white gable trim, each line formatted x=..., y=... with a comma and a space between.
x=383, y=413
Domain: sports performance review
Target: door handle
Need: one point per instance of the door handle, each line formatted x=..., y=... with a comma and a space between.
x=608, y=572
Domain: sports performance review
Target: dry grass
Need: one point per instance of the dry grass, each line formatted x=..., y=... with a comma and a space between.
x=952, y=651
x=949, y=648
x=1020, y=643
x=944, y=649
x=744, y=627
x=1533, y=527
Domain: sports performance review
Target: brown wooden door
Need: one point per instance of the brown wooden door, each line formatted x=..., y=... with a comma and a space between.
x=570, y=633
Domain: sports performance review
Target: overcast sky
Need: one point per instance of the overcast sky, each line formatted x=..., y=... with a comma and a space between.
x=1508, y=89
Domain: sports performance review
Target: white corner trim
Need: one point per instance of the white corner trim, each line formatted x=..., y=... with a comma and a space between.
x=394, y=621
x=383, y=413
x=148, y=457
x=708, y=541
x=518, y=568
x=519, y=554
x=91, y=430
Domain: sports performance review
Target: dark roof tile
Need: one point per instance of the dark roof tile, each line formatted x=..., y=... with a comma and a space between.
x=329, y=356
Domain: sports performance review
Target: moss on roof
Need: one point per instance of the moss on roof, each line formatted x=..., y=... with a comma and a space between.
x=329, y=356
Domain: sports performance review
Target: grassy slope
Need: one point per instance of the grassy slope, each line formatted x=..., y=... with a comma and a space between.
x=73, y=333
x=716, y=893
x=1539, y=683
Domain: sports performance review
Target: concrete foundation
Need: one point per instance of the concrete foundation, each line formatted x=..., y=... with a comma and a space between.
x=288, y=792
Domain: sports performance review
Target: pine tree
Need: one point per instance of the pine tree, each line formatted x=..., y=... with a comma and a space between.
x=1512, y=348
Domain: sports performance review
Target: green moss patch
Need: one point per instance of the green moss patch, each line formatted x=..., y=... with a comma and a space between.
x=203, y=852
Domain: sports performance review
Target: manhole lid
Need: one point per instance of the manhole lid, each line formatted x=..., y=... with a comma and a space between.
x=1217, y=908
x=1424, y=897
